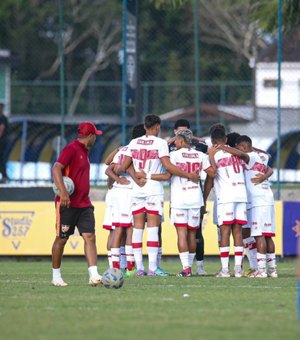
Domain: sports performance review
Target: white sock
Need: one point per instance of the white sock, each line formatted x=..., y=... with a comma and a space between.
x=159, y=256
x=109, y=259
x=115, y=257
x=137, y=247
x=200, y=264
x=56, y=274
x=152, y=247
x=238, y=256
x=184, y=258
x=261, y=262
x=122, y=257
x=224, y=254
x=93, y=272
x=252, y=251
x=271, y=260
x=191, y=259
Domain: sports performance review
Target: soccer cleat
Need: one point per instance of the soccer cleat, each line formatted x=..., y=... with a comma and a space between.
x=238, y=271
x=187, y=272
x=131, y=272
x=160, y=272
x=201, y=272
x=140, y=272
x=249, y=271
x=95, y=281
x=258, y=275
x=59, y=283
x=272, y=272
x=223, y=273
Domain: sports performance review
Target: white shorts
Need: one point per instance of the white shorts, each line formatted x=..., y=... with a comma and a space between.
x=247, y=226
x=262, y=221
x=215, y=214
x=107, y=221
x=122, y=205
x=151, y=205
x=188, y=218
x=229, y=213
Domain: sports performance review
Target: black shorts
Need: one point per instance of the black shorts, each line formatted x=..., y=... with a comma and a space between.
x=69, y=218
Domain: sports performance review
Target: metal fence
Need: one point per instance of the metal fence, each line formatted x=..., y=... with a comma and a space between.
x=209, y=74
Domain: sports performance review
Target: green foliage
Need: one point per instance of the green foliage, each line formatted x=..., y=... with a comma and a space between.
x=167, y=4
x=146, y=307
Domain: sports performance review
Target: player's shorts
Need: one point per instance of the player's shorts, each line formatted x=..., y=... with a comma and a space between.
x=247, y=226
x=229, y=213
x=107, y=221
x=262, y=221
x=151, y=205
x=188, y=218
x=122, y=205
x=69, y=218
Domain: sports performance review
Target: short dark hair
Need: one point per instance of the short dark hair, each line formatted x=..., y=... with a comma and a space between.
x=216, y=126
x=244, y=139
x=182, y=122
x=151, y=120
x=218, y=135
x=138, y=131
x=231, y=138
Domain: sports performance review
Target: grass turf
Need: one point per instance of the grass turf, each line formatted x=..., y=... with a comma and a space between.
x=146, y=307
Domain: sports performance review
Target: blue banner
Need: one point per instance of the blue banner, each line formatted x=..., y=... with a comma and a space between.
x=291, y=213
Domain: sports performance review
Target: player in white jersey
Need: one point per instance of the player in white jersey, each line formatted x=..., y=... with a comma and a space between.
x=122, y=210
x=230, y=190
x=187, y=198
x=149, y=154
x=261, y=208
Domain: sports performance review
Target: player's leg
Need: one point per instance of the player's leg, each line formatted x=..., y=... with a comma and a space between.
x=238, y=249
x=86, y=227
x=250, y=249
x=153, y=221
x=123, y=264
x=271, y=258
x=65, y=225
x=130, y=262
x=115, y=246
x=200, y=249
x=193, y=216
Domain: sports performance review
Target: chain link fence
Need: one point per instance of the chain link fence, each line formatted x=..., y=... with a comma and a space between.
x=237, y=66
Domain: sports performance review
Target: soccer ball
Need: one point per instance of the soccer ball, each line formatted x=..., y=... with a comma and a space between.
x=69, y=184
x=112, y=278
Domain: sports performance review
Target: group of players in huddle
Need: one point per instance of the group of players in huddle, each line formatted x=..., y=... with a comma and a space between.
x=236, y=171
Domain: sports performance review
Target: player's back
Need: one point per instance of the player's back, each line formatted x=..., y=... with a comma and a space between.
x=229, y=182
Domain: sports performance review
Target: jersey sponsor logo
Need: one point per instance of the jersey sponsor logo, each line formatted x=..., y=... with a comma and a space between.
x=229, y=213
x=190, y=155
x=145, y=142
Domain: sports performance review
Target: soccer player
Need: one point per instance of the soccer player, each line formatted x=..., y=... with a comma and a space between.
x=231, y=197
x=187, y=197
x=261, y=213
x=149, y=154
x=75, y=210
x=122, y=207
x=199, y=145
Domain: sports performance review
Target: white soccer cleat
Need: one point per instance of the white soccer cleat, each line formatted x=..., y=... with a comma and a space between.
x=238, y=272
x=95, y=281
x=258, y=275
x=59, y=283
x=201, y=272
x=272, y=272
x=223, y=273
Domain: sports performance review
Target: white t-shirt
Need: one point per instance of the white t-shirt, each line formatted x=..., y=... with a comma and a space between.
x=146, y=152
x=186, y=194
x=260, y=194
x=118, y=159
x=229, y=182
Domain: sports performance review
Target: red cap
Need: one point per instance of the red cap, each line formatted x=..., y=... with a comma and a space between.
x=87, y=128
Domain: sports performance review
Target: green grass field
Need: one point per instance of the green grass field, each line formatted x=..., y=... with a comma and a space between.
x=146, y=307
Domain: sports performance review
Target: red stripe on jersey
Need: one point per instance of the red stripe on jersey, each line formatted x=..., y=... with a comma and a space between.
x=152, y=244
x=137, y=245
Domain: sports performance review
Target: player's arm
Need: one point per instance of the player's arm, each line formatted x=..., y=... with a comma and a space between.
x=119, y=179
x=211, y=155
x=208, y=185
x=259, y=178
x=161, y=177
x=111, y=156
x=235, y=152
x=211, y=172
x=58, y=180
x=125, y=165
x=174, y=170
x=139, y=181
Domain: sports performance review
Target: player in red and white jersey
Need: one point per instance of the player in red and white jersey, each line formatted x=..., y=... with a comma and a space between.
x=122, y=207
x=149, y=154
x=261, y=207
x=230, y=190
x=186, y=197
